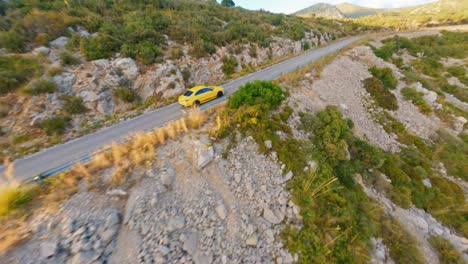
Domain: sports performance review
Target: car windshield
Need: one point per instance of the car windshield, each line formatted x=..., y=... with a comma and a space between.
x=188, y=93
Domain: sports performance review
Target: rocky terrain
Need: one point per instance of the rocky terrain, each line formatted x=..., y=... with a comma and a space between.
x=192, y=207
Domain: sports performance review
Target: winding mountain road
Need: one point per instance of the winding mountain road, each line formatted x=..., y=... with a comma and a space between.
x=60, y=157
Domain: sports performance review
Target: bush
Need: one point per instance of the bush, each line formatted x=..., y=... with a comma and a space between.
x=68, y=59
x=457, y=71
x=13, y=198
x=73, y=105
x=411, y=94
x=99, y=47
x=16, y=71
x=447, y=252
x=229, y=65
x=459, y=92
x=386, y=76
x=12, y=41
x=382, y=96
x=306, y=45
x=55, y=125
x=176, y=53
x=257, y=92
x=126, y=95
x=40, y=86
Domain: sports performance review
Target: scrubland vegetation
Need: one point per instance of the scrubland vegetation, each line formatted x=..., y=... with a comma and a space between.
x=426, y=68
x=137, y=29
x=339, y=219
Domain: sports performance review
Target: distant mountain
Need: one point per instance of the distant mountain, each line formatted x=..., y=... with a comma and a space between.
x=354, y=11
x=442, y=11
x=322, y=10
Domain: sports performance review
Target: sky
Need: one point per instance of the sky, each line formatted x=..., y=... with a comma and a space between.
x=290, y=6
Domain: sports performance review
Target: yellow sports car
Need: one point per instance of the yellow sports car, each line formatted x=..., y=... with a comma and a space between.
x=200, y=94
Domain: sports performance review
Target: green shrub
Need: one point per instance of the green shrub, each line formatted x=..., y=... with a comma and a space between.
x=457, y=71
x=126, y=95
x=229, y=65
x=386, y=76
x=55, y=125
x=257, y=92
x=146, y=52
x=451, y=151
x=382, y=96
x=18, y=139
x=12, y=41
x=14, y=197
x=459, y=92
x=447, y=252
x=16, y=71
x=68, y=59
x=429, y=66
x=403, y=247
x=176, y=53
x=411, y=94
x=73, y=105
x=306, y=45
x=40, y=86
x=99, y=47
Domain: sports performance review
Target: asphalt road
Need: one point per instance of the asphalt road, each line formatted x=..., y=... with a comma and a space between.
x=61, y=156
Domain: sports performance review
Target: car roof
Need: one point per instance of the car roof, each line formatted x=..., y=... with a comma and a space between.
x=197, y=88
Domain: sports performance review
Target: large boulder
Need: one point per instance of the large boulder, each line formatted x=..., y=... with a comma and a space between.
x=65, y=82
x=128, y=67
x=60, y=42
x=41, y=50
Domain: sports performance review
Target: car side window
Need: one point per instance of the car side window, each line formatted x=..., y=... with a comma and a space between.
x=204, y=90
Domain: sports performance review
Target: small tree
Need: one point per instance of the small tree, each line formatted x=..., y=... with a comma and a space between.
x=228, y=3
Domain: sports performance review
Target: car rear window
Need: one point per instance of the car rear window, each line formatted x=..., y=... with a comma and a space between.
x=188, y=93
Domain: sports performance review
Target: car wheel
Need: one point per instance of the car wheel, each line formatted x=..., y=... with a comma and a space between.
x=196, y=103
x=220, y=94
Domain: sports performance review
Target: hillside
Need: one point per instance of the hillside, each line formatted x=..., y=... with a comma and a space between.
x=320, y=10
x=432, y=14
x=441, y=12
x=354, y=11
x=357, y=158
x=70, y=67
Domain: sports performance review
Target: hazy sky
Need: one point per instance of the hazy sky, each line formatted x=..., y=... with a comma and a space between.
x=289, y=6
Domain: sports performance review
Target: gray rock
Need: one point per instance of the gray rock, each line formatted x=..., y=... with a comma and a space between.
x=41, y=50
x=430, y=97
x=203, y=258
x=190, y=243
x=268, y=144
x=48, y=249
x=102, y=63
x=113, y=219
x=252, y=240
x=107, y=235
x=116, y=192
x=288, y=176
x=427, y=183
x=85, y=257
x=237, y=177
x=89, y=96
x=205, y=156
x=163, y=250
x=65, y=82
x=60, y=42
x=270, y=216
x=168, y=176
x=221, y=210
x=128, y=67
